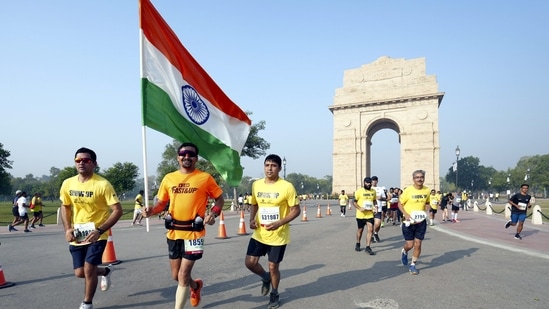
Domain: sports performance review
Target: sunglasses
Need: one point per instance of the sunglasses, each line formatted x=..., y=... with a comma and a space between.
x=190, y=153
x=84, y=160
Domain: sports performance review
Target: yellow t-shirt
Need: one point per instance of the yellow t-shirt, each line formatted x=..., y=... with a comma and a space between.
x=188, y=195
x=434, y=201
x=139, y=201
x=274, y=201
x=367, y=199
x=37, y=202
x=413, y=199
x=90, y=200
x=343, y=199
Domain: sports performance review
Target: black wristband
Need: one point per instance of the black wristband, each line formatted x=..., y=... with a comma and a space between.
x=100, y=231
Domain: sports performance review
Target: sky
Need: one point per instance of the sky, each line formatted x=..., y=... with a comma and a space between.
x=70, y=76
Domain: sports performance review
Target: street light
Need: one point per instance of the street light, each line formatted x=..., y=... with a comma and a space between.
x=457, y=159
x=284, y=164
x=472, y=187
x=508, y=185
x=490, y=188
x=302, y=187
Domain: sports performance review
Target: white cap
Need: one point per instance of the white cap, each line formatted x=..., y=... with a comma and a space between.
x=18, y=192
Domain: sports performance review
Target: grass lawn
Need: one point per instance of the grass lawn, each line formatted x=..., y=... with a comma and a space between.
x=50, y=211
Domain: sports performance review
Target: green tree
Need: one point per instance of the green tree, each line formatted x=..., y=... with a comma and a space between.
x=5, y=164
x=122, y=176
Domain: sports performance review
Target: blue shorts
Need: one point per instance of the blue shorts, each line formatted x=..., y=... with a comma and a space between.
x=176, y=250
x=92, y=254
x=275, y=253
x=414, y=231
x=518, y=216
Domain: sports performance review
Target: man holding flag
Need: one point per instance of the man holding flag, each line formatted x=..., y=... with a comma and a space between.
x=180, y=100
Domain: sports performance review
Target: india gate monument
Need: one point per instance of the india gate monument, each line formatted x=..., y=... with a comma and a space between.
x=391, y=94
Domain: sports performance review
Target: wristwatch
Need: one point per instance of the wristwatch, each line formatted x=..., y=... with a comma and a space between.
x=100, y=231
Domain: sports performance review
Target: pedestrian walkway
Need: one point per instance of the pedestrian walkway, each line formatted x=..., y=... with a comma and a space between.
x=490, y=230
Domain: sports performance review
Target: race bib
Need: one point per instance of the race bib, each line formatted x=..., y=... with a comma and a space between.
x=268, y=215
x=458, y=199
x=394, y=200
x=418, y=216
x=522, y=206
x=81, y=231
x=194, y=246
x=434, y=202
x=368, y=205
x=383, y=203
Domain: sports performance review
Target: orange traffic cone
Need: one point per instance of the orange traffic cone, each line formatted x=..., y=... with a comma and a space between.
x=304, y=218
x=3, y=282
x=328, y=211
x=109, y=256
x=222, y=234
x=242, y=225
x=318, y=213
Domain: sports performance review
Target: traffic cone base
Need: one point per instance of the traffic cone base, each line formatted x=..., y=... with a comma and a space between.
x=222, y=234
x=3, y=282
x=109, y=256
x=242, y=224
x=304, y=217
x=328, y=211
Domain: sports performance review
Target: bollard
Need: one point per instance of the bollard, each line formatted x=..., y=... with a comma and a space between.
x=508, y=211
x=536, y=215
x=488, y=208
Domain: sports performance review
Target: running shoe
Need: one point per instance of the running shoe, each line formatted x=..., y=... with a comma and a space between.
x=195, y=293
x=41, y=225
x=376, y=237
x=106, y=280
x=357, y=247
x=517, y=236
x=32, y=227
x=265, y=286
x=369, y=251
x=86, y=306
x=508, y=224
x=404, y=257
x=413, y=269
x=274, y=301
x=27, y=231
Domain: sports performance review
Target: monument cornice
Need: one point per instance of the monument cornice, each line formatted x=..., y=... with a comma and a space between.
x=438, y=96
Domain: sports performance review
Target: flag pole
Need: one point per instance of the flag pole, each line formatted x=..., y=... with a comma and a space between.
x=143, y=129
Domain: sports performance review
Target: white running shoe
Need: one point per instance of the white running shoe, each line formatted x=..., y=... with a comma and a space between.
x=106, y=280
x=86, y=306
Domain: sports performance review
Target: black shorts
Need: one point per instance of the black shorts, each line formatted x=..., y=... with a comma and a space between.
x=433, y=211
x=455, y=208
x=37, y=214
x=414, y=231
x=15, y=211
x=384, y=208
x=176, y=250
x=360, y=223
x=275, y=253
x=92, y=253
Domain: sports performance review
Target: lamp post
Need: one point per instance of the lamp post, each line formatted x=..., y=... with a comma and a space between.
x=284, y=165
x=457, y=159
x=508, y=185
x=302, y=187
x=490, y=189
x=472, y=186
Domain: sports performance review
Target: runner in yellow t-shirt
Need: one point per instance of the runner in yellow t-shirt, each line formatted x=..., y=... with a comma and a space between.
x=435, y=199
x=366, y=205
x=89, y=208
x=343, y=200
x=414, y=202
x=274, y=205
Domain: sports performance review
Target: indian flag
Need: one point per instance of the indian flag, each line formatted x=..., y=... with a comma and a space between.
x=182, y=101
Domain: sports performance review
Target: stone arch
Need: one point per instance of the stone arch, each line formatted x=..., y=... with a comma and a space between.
x=391, y=94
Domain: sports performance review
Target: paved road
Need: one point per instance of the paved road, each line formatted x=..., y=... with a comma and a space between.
x=472, y=264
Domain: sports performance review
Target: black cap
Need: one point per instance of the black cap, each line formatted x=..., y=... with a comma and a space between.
x=367, y=179
x=374, y=177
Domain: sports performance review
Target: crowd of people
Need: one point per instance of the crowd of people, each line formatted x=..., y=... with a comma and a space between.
x=90, y=207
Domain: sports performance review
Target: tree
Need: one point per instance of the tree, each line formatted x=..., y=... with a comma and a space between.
x=5, y=164
x=255, y=145
x=122, y=176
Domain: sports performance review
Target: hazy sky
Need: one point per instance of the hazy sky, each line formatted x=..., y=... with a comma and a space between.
x=70, y=75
